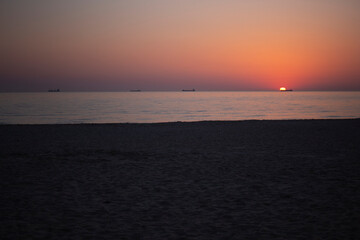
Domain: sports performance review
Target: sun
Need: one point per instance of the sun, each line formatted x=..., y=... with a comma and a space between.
x=282, y=89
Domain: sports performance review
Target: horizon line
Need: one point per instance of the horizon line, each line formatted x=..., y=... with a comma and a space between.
x=130, y=90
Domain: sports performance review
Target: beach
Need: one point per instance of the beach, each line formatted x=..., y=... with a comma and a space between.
x=268, y=179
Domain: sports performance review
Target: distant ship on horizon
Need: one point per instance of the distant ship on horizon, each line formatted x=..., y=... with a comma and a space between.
x=283, y=89
x=135, y=90
x=189, y=90
x=54, y=90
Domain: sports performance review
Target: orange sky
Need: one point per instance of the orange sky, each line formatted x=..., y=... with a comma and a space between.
x=171, y=45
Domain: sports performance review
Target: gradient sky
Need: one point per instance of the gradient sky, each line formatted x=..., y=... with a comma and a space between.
x=109, y=45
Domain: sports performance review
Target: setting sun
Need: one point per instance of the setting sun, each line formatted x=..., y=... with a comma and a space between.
x=282, y=89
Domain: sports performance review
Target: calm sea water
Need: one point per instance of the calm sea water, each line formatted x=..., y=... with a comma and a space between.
x=146, y=107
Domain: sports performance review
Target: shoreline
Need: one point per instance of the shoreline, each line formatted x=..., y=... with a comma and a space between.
x=250, y=179
x=186, y=122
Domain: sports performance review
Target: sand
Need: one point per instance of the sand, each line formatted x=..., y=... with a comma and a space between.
x=201, y=180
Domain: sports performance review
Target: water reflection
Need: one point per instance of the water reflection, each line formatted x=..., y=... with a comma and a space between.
x=112, y=107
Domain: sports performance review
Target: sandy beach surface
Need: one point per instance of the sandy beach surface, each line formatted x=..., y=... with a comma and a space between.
x=296, y=179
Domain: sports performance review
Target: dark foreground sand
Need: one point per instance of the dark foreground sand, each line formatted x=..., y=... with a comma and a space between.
x=203, y=180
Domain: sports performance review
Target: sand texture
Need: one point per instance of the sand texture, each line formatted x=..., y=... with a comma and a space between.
x=202, y=180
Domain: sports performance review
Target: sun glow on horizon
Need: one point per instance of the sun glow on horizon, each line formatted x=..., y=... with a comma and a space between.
x=163, y=45
x=282, y=89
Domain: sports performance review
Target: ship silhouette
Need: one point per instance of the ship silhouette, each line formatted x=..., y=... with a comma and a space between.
x=54, y=90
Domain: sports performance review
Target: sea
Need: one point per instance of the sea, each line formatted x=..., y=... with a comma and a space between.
x=155, y=107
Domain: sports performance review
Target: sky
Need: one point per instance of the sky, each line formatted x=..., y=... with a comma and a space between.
x=117, y=45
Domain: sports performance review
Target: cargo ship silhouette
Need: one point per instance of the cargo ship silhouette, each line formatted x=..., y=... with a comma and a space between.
x=54, y=90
